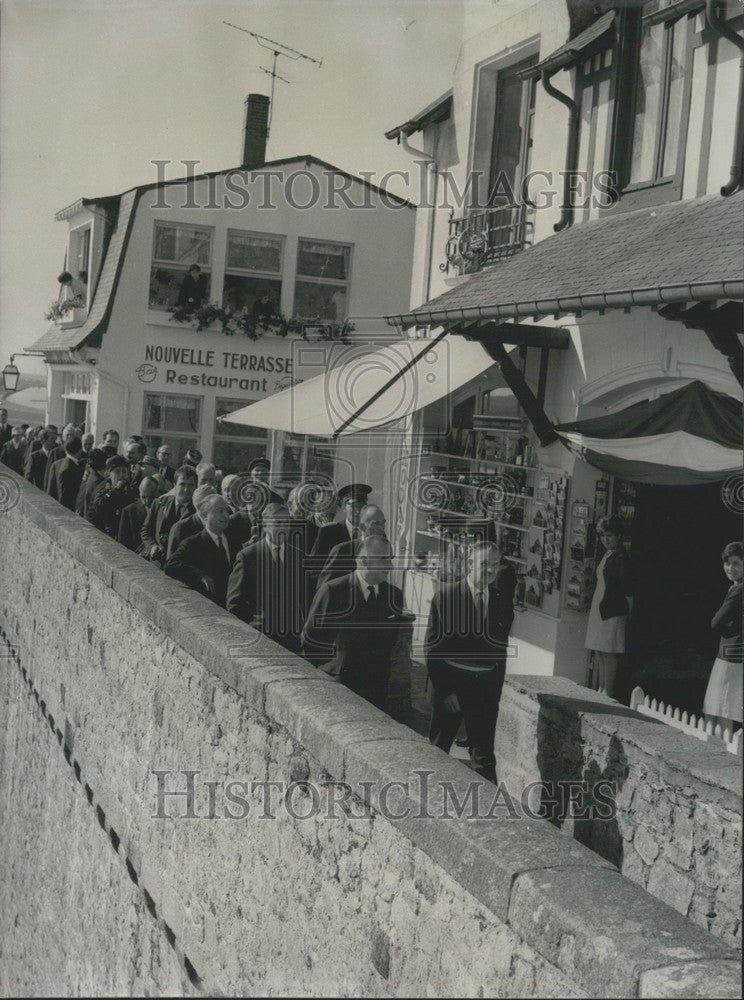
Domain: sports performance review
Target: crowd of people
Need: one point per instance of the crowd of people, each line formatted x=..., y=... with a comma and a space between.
x=317, y=585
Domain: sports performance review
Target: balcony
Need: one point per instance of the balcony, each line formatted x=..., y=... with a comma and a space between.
x=483, y=237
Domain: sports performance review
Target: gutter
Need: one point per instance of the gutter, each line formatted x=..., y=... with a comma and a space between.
x=657, y=295
x=572, y=148
x=722, y=29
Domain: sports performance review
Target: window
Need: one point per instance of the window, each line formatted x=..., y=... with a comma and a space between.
x=175, y=250
x=236, y=445
x=253, y=270
x=654, y=95
x=322, y=286
x=172, y=420
x=302, y=457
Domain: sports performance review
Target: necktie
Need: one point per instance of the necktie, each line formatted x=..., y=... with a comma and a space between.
x=224, y=553
x=371, y=599
x=480, y=611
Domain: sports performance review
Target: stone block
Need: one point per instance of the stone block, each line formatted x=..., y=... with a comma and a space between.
x=692, y=981
x=616, y=930
x=646, y=846
x=327, y=717
x=674, y=887
x=471, y=829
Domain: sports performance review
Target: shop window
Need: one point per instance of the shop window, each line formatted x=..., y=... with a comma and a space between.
x=172, y=420
x=253, y=268
x=322, y=285
x=236, y=445
x=654, y=95
x=175, y=250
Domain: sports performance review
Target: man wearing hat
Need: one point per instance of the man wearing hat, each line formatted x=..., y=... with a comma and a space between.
x=110, y=500
x=14, y=451
x=351, y=499
x=192, y=457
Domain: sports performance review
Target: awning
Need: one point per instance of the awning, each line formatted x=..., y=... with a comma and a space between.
x=596, y=36
x=687, y=437
x=366, y=389
x=437, y=111
x=686, y=251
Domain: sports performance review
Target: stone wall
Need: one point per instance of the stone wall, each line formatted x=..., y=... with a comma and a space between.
x=678, y=825
x=114, y=672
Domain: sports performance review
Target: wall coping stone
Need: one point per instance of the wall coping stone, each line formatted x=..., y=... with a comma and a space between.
x=558, y=909
x=676, y=752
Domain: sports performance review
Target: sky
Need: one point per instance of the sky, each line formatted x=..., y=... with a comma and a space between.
x=92, y=91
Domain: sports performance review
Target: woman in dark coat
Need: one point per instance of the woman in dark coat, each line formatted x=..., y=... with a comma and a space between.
x=611, y=606
x=723, y=698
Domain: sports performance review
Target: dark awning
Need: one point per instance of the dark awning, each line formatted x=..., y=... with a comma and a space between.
x=689, y=436
x=684, y=251
x=437, y=111
x=596, y=36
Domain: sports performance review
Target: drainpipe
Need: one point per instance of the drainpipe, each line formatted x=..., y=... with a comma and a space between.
x=431, y=161
x=718, y=25
x=572, y=148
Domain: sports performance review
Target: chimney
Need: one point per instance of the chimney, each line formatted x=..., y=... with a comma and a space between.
x=255, y=131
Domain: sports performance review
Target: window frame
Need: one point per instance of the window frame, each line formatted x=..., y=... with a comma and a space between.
x=231, y=271
x=218, y=437
x=345, y=284
x=156, y=262
x=624, y=86
x=165, y=434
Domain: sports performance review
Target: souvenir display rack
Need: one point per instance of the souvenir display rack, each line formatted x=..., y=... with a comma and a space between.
x=483, y=483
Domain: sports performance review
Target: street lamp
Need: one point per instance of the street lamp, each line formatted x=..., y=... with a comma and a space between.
x=10, y=376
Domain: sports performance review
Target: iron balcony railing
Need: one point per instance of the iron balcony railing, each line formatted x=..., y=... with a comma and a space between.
x=486, y=236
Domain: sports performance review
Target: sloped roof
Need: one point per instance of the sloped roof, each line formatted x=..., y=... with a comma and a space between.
x=680, y=252
x=583, y=44
x=437, y=111
x=60, y=339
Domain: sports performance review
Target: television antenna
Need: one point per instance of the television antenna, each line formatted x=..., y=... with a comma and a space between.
x=278, y=49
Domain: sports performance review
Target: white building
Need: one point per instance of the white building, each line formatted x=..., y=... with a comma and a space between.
x=323, y=246
x=632, y=300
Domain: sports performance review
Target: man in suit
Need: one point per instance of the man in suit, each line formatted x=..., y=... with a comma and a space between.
x=36, y=462
x=164, y=513
x=354, y=623
x=189, y=526
x=351, y=498
x=13, y=452
x=267, y=587
x=5, y=428
x=69, y=432
x=311, y=503
x=342, y=558
x=204, y=561
x=133, y=515
x=93, y=477
x=465, y=644
x=66, y=474
x=110, y=499
x=166, y=472
x=193, y=289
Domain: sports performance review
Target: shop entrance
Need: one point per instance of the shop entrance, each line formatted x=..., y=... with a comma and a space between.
x=677, y=536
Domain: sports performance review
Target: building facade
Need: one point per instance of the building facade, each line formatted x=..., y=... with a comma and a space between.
x=289, y=254
x=581, y=218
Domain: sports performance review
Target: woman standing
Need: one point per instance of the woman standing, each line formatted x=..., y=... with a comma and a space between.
x=611, y=606
x=724, y=694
